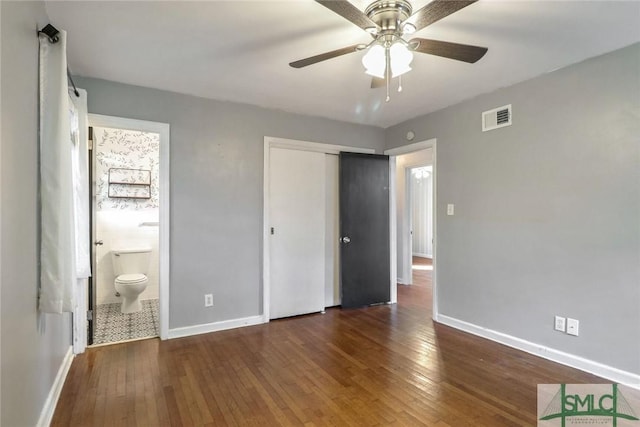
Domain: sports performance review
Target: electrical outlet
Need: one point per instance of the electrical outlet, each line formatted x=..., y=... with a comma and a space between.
x=208, y=300
x=450, y=209
x=560, y=324
x=573, y=326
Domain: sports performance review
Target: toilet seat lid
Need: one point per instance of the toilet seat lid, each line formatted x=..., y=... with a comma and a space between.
x=131, y=278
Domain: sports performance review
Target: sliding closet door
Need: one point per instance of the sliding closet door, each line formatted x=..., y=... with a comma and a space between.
x=297, y=232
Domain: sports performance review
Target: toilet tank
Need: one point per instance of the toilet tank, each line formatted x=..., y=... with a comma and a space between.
x=130, y=260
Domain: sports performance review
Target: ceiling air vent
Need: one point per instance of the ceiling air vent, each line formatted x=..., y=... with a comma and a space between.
x=496, y=118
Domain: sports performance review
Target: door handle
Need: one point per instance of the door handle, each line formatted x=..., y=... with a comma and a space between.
x=345, y=239
x=99, y=243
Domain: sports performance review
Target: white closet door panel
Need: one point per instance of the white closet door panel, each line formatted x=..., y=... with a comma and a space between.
x=297, y=245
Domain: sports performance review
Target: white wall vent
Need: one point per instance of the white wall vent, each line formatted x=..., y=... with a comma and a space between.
x=496, y=118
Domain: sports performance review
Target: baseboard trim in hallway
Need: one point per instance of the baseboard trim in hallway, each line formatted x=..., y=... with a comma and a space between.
x=619, y=376
x=56, y=388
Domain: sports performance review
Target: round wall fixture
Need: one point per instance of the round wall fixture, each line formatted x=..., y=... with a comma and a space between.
x=410, y=136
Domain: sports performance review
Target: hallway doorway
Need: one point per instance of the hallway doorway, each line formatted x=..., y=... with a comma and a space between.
x=403, y=159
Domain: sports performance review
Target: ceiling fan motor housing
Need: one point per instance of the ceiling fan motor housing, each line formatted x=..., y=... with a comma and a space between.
x=388, y=15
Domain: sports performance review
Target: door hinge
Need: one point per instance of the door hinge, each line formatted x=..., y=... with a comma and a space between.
x=89, y=314
x=273, y=231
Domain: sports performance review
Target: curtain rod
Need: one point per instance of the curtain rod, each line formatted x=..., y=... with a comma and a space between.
x=52, y=34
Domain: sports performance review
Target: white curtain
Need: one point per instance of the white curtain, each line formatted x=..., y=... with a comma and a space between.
x=58, y=274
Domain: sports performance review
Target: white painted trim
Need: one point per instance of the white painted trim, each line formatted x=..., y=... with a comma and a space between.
x=80, y=317
x=614, y=374
x=407, y=227
x=434, y=211
x=165, y=230
x=405, y=149
x=46, y=415
x=318, y=147
x=164, y=130
x=188, y=331
x=410, y=148
x=291, y=144
x=266, y=220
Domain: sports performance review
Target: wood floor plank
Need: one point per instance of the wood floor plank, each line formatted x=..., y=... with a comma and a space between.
x=383, y=365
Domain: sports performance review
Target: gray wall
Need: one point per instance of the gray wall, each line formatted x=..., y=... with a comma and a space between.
x=33, y=345
x=547, y=211
x=216, y=189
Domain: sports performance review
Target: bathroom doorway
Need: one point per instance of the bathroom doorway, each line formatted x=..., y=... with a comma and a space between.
x=128, y=293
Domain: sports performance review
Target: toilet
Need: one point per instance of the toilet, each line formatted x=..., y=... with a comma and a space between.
x=130, y=266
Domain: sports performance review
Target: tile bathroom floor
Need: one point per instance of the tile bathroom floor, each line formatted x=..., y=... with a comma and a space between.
x=113, y=326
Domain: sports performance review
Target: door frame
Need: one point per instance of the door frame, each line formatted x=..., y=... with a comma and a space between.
x=406, y=149
x=163, y=129
x=290, y=144
x=407, y=271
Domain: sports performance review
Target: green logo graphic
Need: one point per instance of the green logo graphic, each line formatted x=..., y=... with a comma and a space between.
x=613, y=406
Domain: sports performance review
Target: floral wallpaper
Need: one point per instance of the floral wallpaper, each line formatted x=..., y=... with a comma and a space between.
x=129, y=154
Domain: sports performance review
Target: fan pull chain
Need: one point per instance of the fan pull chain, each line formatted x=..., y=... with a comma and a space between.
x=399, y=83
x=388, y=72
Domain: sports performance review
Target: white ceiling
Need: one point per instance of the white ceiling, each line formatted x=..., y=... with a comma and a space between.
x=240, y=50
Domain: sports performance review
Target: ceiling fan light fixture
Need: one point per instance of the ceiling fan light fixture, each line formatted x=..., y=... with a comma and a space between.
x=387, y=21
x=401, y=58
x=374, y=61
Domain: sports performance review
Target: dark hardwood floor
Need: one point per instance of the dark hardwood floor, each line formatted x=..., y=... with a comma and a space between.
x=383, y=365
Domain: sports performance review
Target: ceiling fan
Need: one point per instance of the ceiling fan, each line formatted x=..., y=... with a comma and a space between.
x=389, y=55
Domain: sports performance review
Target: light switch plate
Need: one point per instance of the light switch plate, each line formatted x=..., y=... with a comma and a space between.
x=560, y=323
x=573, y=326
x=208, y=300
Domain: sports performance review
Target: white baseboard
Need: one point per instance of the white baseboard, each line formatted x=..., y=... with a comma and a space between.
x=54, y=394
x=614, y=374
x=421, y=255
x=215, y=326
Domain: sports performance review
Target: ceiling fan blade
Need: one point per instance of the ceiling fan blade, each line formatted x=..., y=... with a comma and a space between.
x=435, y=11
x=457, y=51
x=324, y=56
x=377, y=82
x=349, y=12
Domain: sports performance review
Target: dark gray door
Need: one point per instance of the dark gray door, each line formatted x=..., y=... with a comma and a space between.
x=364, y=229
